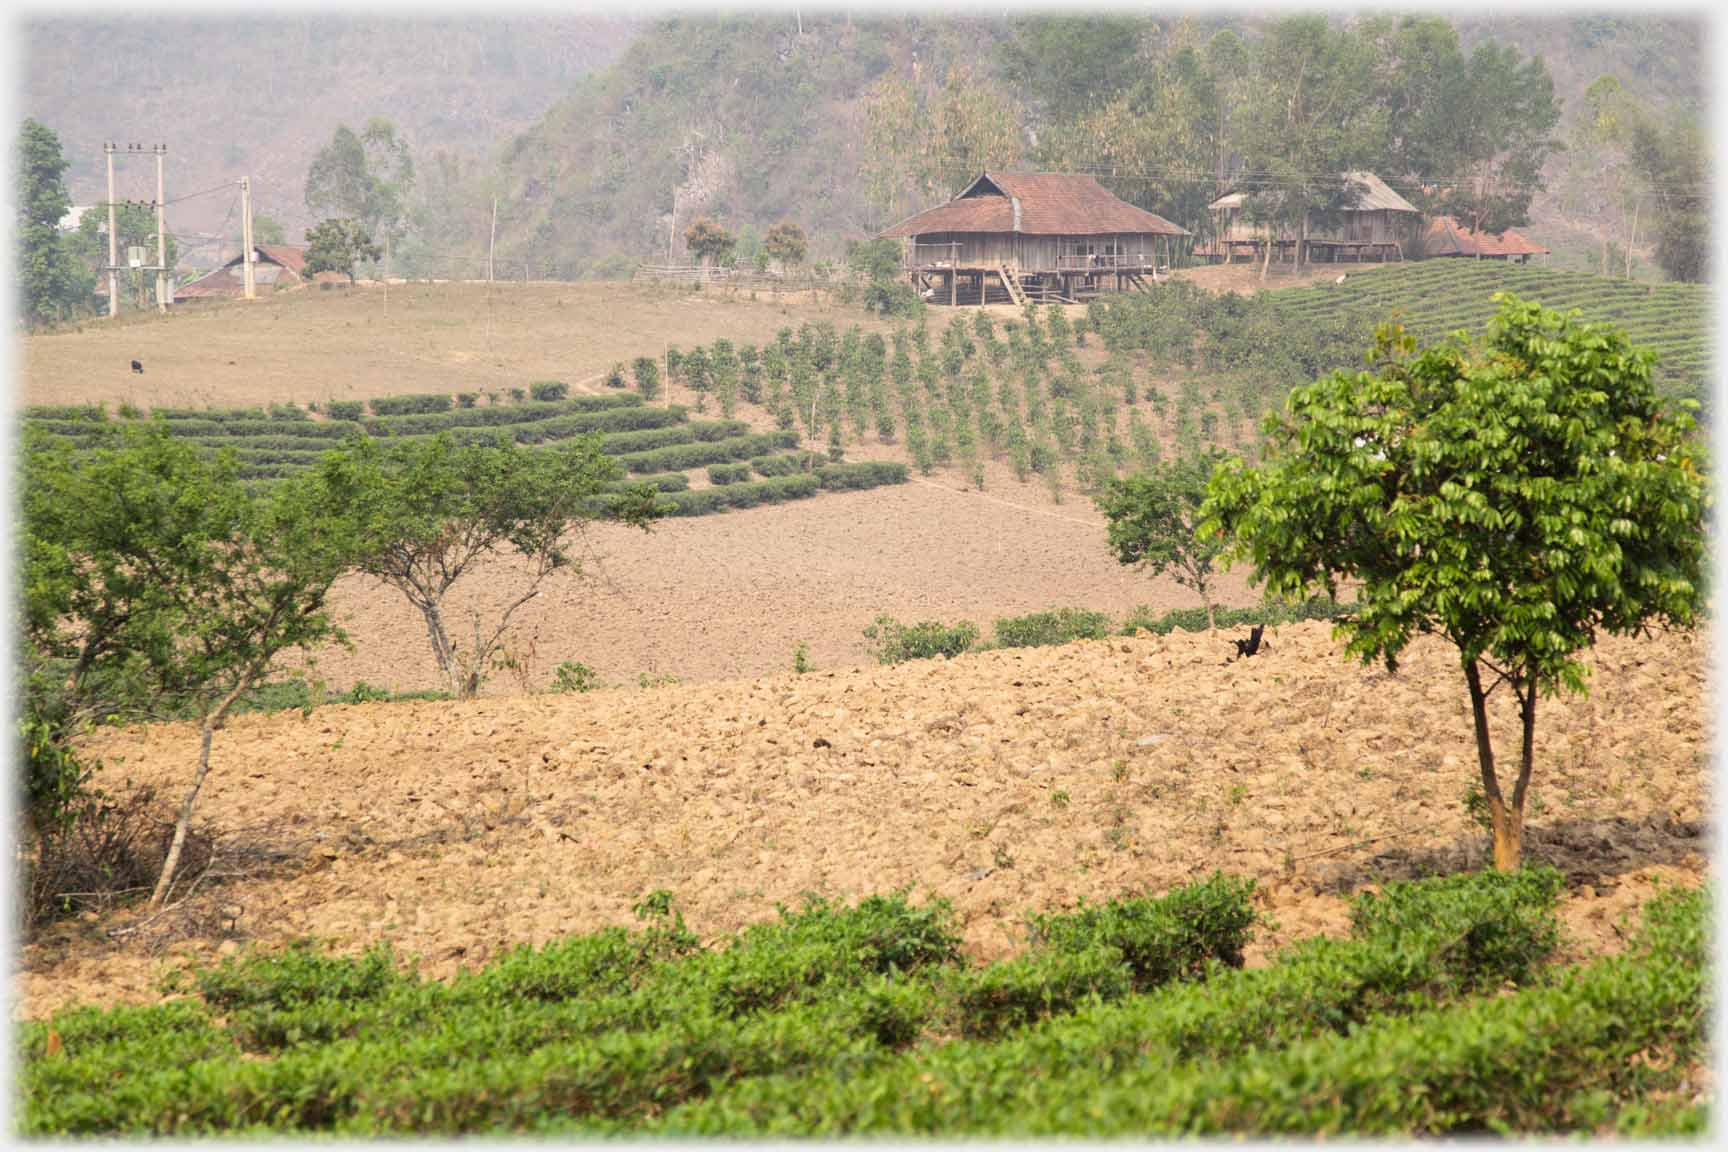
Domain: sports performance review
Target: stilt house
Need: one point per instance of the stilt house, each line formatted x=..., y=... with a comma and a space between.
x=1378, y=224
x=1011, y=237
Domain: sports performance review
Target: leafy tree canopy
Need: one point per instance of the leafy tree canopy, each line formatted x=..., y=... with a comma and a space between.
x=338, y=245
x=50, y=284
x=1154, y=521
x=1514, y=497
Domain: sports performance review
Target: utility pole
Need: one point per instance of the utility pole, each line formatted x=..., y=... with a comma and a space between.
x=672, y=231
x=113, y=238
x=492, y=243
x=162, y=290
x=246, y=237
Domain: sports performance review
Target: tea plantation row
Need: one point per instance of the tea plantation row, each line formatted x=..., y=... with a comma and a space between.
x=1440, y=1013
x=1435, y=297
x=654, y=445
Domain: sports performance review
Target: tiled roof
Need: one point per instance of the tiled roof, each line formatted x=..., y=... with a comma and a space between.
x=1036, y=204
x=1446, y=237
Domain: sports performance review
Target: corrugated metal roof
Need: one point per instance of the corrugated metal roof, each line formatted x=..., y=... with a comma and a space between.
x=1446, y=237
x=1372, y=195
x=1036, y=204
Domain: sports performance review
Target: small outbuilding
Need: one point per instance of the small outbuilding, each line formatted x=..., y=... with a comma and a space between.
x=1014, y=237
x=274, y=268
x=1445, y=236
x=1376, y=224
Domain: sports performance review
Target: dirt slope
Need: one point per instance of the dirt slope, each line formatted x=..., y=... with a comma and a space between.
x=1007, y=782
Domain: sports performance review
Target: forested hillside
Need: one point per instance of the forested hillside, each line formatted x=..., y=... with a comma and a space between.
x=843, y=125
x=593, y=132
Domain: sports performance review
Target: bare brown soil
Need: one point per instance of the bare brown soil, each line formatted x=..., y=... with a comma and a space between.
x=1243, y=277
x=1007, y=782
x=353, y=344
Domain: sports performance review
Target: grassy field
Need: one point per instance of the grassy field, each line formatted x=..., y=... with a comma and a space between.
x=1436, y=297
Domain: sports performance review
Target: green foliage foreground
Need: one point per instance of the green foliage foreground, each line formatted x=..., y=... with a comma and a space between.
x=1437, y=1014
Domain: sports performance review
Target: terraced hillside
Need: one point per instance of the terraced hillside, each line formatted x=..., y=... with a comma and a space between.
x=655, y=445
x=1435, y=297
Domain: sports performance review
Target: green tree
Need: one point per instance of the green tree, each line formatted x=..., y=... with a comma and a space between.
x=1670, y=160
x=429, y=511
x=135, y=225
x=708, y=242
x=785, y=242
x=154, y=574
x=1154, y=521
x=646, y=371
x=338, y=245
x=50, y=285
x=265, y=230
x=1515, y=498
x=366, y=177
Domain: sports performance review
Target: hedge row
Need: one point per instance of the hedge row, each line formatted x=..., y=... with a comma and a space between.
x=525, y=413
x=705, y=431
x=80, y=412
x=1041, y=629
x=678, y=457
x=407, y=405
x=205, y=428
x=613, y=1024
x=724, y=474
x=1452, y=938
x=782, y=465
x=345, y=409
x=663, y=482
x=574, y=424
x=872, y=474
x=775, y=490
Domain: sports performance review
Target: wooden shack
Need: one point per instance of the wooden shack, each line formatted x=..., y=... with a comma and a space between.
x=1377, y=224
x=1013, y=237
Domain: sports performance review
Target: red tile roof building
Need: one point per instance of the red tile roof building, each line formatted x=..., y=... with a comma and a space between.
x=1446, y=237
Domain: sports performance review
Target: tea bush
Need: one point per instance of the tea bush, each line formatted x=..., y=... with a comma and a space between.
x=408, y=405
x=871, y=474
x=728, y=473
x=811, y=1024
x=1194, y=619
x=345, y=409
x=1040, y=629
x=893, y=642
x=548, y=390
x=743, y=495
x=783, y=465
x=681, y=456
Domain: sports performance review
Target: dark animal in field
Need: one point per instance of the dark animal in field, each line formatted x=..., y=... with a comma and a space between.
x=1251, y=645
x=138, y=367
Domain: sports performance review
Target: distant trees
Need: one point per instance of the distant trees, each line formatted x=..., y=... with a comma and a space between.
x=265, y=230
x=337, y=246
x=923, y=140
x=1515, y=498
x=1670, y=161
x=366, y=178
x=708, y=241
x=51, y=285
x=785, y=242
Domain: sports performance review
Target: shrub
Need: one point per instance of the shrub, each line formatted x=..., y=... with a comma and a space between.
x=1039, y=629
x=680, y=456
x=615, y=376
x=410, y=405
x=646, y=370
x=345, y=409
x=69, y=412
x=288, y=412
x=1161, y=940
x=467, y=399
x=893, y=642
x=548, y=390
x=1271, y=612
x=574, y=677
x=728, y=473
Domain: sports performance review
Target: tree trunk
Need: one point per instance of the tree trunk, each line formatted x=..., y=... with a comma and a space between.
x=1507, y=821
x=183, y=820
x=1301, y=243
x=1266, y=263
x=442, y=649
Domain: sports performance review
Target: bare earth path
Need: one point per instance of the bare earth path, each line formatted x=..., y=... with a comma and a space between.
x=1006, y=782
